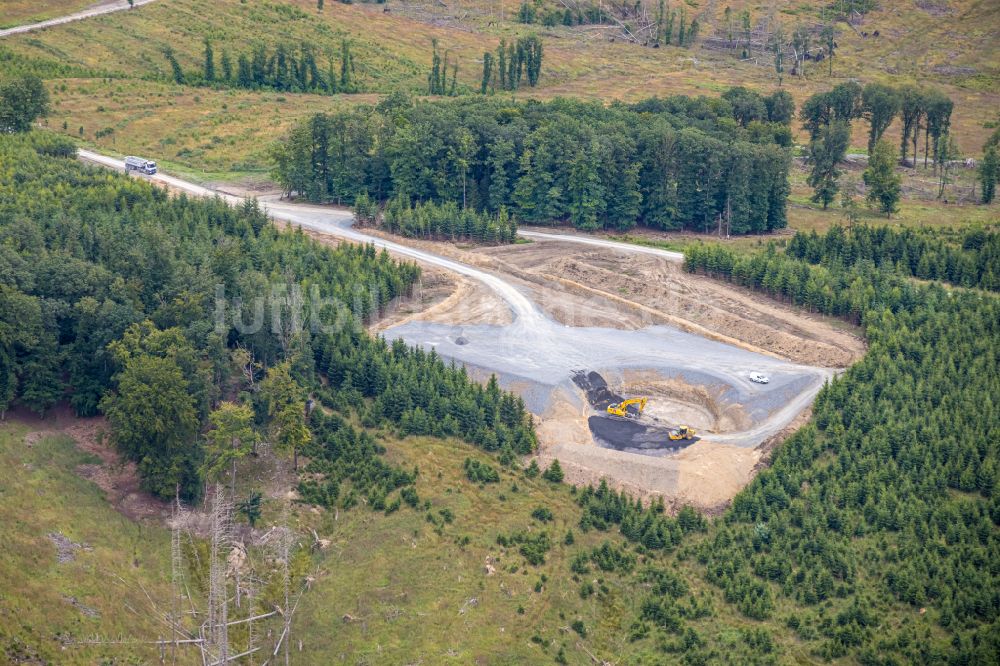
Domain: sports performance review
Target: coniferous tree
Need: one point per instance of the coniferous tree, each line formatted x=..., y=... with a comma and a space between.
x=515, y=66
x=487, y=72
x=259, y=65
x=502, y=63
x=346, y=68
x=532, y=47
x=660, y=21
x=175, y=66
x=526, y=13
x=745, y=22
x=209, y=62
x=692, y=32
x=439, y=71
x=554, y=473
x=227, y=68
x=244, y=72
x=989, y=173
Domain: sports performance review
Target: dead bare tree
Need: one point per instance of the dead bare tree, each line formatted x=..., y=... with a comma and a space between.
x=216, y=632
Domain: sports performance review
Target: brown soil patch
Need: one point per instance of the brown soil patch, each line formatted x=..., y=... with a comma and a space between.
x=711, y=474
x=433, y=287
x=585, y=286
x=118, y=479
x=645, y=290
x=441, y=296
x=705, y=475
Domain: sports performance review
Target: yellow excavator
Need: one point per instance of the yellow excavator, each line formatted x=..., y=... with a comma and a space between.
x=621, y=408
x=682, y=432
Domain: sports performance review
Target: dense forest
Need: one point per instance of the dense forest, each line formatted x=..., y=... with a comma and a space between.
x=968, y=258
x=680, y=162
x=892, y=491
x=883, y=509
x=192, y=324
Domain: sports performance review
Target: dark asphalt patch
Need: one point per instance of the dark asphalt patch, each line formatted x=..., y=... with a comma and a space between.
x=618, y=433
x=598, y=394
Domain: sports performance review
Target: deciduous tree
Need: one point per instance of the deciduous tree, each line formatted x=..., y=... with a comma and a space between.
x=881, y=103
x=154, y=423
x=882, y=180
x=825, y=153
x=22, y=101
x=232, y=436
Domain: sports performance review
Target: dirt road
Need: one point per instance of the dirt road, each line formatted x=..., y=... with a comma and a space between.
x=602, y=242
x=98, y=9
x=536, y=354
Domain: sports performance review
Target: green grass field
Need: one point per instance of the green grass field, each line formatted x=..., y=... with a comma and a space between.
x=390, y=589
x=19, y=12
x=117, y=95
x=46, y=605
x=393, y=50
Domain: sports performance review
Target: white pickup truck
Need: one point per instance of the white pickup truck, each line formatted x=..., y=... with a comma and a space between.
x=140, y=164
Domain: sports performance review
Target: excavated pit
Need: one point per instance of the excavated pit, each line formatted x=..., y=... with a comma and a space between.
x=689, y=380
x=638, y=433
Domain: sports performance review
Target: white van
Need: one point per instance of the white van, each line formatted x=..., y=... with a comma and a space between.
x=139, y=164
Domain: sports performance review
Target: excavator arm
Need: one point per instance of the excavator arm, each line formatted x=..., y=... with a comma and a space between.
x=621, y=408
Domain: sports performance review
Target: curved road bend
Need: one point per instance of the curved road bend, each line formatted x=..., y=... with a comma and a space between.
x=338, y=223
x=99, y=10
x=536, y=344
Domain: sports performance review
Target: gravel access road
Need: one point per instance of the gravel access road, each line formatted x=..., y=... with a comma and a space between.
x=97, y=10
x=539, y=356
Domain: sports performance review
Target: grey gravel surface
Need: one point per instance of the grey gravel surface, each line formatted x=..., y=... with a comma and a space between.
x=537, y=356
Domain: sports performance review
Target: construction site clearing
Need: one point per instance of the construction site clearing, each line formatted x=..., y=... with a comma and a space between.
x=537, y=313
x=691, y=347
